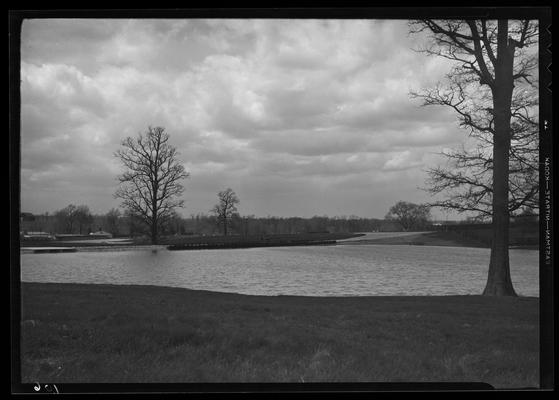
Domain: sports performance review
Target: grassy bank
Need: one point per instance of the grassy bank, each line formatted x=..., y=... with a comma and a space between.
x=442, y=238
x=424, y=239
x=105, y=333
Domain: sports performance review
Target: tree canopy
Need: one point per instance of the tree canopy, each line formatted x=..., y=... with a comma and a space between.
x=150, y=188
x=409, y=215
x=226, y=208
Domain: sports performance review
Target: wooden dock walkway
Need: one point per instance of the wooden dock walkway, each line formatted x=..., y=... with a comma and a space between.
x=49, y=249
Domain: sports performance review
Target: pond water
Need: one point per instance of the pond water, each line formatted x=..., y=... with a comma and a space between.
x=342, y=270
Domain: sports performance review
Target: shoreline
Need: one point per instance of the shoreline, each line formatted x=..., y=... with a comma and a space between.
x=133, y=333
x=430, y=238
x=30, y=250
x=161, y=288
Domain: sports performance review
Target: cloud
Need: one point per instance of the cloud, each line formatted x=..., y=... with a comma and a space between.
x=280, y=110
x=401, y=161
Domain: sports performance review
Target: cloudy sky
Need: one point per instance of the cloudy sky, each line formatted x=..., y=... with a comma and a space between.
x=298, y=117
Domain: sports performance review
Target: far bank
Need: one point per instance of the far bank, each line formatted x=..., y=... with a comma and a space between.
x=446, y=238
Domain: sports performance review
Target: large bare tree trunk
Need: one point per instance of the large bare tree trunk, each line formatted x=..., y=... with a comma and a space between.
x=499, y=281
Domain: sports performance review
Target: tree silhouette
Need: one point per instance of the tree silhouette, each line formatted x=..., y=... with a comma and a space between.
x=226, y=208
x=491, y=90
x=66, y=218
x=112, y=219
x=409, y=215
x=150, y=187
x=83, y=217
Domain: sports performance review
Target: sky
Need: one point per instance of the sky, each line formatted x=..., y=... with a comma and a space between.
x=298, y=117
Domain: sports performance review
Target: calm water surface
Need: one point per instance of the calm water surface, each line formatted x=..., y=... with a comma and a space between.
x=344, y=270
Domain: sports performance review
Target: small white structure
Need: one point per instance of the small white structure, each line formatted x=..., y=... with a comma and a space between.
x=36, y=236
x=101, y=235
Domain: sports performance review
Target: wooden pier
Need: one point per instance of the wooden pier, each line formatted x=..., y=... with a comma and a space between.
x=49, y=249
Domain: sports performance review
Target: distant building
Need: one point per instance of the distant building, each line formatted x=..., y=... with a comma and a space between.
x=25, y=216
x=101, y=235
x=36, y=236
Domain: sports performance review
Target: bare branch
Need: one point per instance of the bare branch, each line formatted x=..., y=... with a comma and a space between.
x=152, y=178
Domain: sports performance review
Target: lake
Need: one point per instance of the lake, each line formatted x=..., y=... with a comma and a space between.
x=339, y=270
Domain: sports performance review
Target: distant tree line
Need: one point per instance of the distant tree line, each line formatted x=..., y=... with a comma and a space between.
x=126, y=224
x=403, y=216
x=74, y=219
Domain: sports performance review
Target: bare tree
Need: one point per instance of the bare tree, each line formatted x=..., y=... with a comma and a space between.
x=71, y=217
x=409, y=215
x=83, y=217
x=491, y=89
x=150, y=187
x=66, y=218
x=112, y=219
x=226, y=208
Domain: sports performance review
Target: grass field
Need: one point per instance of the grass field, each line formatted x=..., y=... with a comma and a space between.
x=104, y=333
